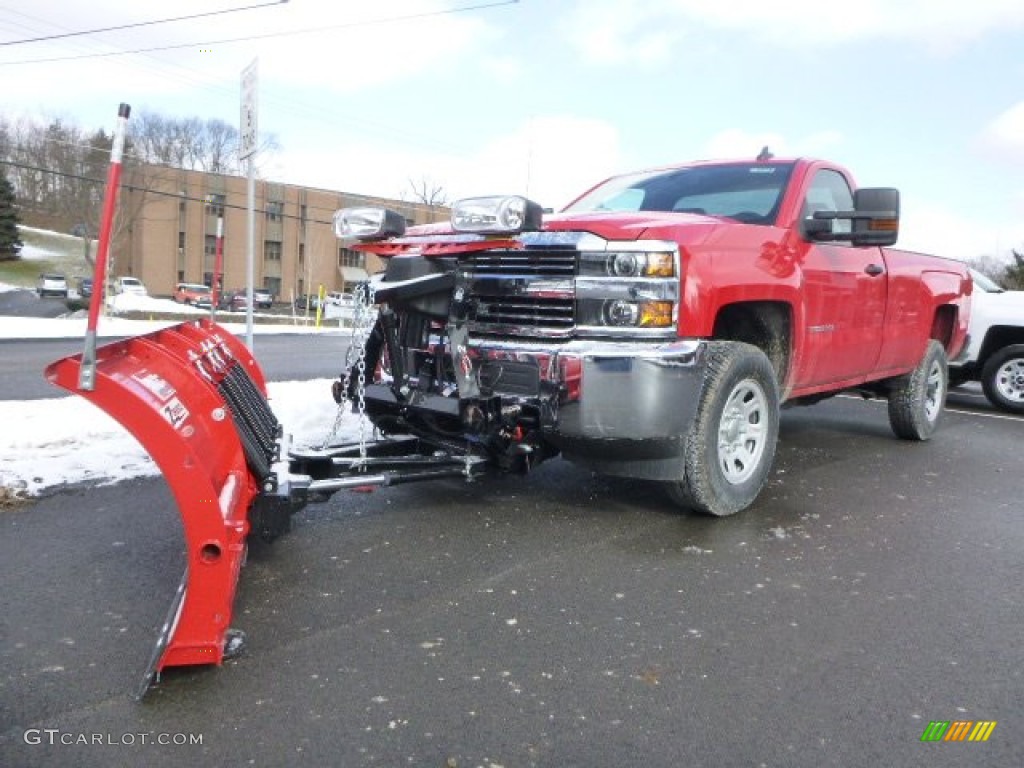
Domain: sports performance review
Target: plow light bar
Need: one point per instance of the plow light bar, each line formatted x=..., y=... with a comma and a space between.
x=501, y=214
x=368, y=223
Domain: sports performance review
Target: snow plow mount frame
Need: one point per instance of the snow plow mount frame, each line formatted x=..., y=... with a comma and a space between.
x=390, y=460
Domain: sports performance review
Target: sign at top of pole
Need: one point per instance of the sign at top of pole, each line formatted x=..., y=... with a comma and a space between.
x=247, y=128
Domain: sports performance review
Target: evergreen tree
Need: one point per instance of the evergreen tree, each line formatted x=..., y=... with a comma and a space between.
x=10, y=243
x=1013, y=277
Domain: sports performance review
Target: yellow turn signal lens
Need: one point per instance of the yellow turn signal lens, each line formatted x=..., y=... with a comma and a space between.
x=660, y=265
x=655, y=314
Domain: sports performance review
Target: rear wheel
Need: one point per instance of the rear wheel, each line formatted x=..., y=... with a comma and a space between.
x=917, y=399
x=1002, y=378
x=731, y=444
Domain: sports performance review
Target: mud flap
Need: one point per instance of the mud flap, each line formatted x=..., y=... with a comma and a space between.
x=195, y=398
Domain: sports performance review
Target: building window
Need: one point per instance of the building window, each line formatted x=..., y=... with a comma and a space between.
x=302, y=253
x=349, y=258
x=210, y=245
x=275, y=210
x=215, y=205
x=302, y=212
x=271, y=250
x=181, y=241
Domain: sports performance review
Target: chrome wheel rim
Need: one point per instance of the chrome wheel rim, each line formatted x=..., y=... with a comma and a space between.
x=934, y=392
x=1009, y=380
x=743, y=432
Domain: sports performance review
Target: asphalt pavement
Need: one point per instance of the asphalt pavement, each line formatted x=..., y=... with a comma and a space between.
x=560, y=619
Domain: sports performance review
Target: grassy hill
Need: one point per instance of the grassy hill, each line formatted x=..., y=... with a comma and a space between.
x=45, y=251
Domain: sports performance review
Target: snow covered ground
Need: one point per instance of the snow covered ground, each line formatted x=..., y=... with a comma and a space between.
x=46, y=444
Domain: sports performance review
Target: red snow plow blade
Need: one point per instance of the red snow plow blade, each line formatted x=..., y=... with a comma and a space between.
x=195, y=398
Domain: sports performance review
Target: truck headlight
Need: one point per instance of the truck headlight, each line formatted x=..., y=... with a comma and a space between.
x=621, y=313
x=626, y=264
x=501, y=214
x=626, y=313
x=631, y=263
x=368, y=223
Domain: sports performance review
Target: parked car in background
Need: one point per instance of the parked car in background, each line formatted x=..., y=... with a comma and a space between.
x=262, y=298
x=126, y=284
x=233, y=301
x=85, y=287
x=52, y=284
x=306, y=301
x=195, y=294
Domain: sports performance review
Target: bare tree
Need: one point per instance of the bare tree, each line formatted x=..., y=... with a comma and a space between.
x=989, y=265
x=428, y=192
x=221, y=147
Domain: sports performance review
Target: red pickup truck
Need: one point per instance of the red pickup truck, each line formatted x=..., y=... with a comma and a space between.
x=654, y=326
x=651, y=329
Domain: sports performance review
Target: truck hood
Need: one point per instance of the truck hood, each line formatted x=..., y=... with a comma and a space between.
x=1002, y=308
x=685, y=227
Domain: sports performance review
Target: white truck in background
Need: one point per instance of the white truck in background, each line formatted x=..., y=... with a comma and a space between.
x=994, y=353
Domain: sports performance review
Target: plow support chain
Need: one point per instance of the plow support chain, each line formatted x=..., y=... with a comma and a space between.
x=195, y=398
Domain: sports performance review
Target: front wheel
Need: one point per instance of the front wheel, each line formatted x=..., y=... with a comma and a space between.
x=917, y=399
x=1002, y=379
x=731, y=444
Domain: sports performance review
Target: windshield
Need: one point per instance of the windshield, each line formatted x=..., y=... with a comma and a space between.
x=748, y=192
x=988, y=286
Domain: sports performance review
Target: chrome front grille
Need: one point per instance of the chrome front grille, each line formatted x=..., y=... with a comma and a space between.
x=522, y=292
x=523, y=311
x=539, y=263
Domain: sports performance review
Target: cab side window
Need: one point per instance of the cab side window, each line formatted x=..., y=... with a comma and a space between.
x=828, y=191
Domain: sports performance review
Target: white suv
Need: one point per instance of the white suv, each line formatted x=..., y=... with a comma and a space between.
x=130, y=285
x=52, y=284
x=994, y=354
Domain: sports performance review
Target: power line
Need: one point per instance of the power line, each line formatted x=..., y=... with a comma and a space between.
x=268, y=35
x=140, y=24
x=321, y=114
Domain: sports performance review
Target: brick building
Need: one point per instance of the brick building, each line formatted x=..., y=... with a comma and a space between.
x=167, y=227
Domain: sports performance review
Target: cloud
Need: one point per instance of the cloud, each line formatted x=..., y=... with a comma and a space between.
x=618, y=31
x=305, y=49
x=552, y=158
x=735, y=142
x=1005, y=134
x=935, y=228
x=613, y=31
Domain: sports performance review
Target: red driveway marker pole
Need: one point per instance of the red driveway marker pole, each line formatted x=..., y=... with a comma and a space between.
x=87, y=373
x=218, y=269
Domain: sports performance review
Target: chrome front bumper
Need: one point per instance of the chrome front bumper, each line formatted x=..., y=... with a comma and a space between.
x=624, y=408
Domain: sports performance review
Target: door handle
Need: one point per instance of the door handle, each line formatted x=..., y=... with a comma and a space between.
x=874, y=269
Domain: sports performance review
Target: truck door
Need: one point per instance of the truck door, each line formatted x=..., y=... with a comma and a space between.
x=844, y=293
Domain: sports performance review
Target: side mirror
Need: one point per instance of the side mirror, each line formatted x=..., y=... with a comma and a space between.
x=877, y=220
x=874, y=220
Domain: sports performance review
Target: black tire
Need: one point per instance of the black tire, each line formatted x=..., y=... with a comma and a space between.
x=1002, y=379
x=917, y=399
x=957, y=378
x=730, y=446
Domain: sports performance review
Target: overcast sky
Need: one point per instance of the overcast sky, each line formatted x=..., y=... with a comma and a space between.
x=549, y=96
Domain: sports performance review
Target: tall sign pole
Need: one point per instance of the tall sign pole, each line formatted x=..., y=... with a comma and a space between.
x=248, y=138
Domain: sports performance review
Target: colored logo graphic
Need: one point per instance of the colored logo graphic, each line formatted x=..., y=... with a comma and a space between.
x=958, y=730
